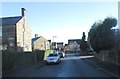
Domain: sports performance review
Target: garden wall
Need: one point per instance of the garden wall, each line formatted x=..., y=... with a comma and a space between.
x=12, y=59
x=111, y=56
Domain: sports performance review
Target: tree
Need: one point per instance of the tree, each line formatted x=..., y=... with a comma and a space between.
x=101, y=34
x=84, y=36
x=83, y=45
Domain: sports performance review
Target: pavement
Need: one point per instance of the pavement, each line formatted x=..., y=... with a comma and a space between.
x=23, y=70
x=110, y=68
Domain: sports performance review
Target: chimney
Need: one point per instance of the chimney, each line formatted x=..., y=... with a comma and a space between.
x=23, y=12
x=36, y=35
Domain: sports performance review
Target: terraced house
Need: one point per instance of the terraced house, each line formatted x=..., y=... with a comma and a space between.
x=16, y=33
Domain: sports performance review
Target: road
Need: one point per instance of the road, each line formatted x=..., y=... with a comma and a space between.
x=70, y=66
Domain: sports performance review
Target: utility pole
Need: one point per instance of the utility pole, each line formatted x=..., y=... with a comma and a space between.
x=53, y=42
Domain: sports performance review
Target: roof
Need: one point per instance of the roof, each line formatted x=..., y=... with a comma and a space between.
x=73, y=40
x=73, y=43
x=34, y=39
x=60, y=43
x=9, y=20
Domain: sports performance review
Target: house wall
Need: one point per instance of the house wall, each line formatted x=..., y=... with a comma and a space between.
x=72, y=47
x=60, y=45
x=8, y=36
x=41, y=44
x=53, y=45
x=23, y=35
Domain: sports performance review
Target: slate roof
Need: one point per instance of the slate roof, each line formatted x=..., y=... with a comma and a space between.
x=59, y=42
x=34, y=39
x=73, y=40
x=9, y=20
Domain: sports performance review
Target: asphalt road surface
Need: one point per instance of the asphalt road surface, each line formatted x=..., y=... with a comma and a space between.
x=70, y=66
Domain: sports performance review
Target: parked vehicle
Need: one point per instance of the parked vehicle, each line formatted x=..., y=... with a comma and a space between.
x=53, y=58
x=62, y=54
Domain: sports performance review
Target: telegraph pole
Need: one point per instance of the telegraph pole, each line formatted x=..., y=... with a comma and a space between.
x=53, y=42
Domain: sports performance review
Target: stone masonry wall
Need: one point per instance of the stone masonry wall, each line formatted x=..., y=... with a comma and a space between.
x=41, y=44
x=24, y=35
x=8, y=35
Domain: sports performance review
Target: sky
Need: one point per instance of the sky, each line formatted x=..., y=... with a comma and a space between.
x=65, y=20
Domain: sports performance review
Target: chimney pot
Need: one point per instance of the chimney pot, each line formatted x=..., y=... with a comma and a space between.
x=36, y=35
x=23, y=12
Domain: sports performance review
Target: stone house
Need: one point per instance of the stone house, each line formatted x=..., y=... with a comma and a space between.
x=40, y=43
x=16, y=33
x=73, y=47
x=73, y=40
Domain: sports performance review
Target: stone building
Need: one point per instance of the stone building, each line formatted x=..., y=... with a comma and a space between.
x=73, y=45
x=16, y=33
x=40, y=43
x=73, y=40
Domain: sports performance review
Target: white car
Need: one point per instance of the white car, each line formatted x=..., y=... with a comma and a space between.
x=53, y=58
x=62, y=54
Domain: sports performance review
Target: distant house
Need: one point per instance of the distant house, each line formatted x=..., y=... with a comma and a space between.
x=16, y=33
x=60, y=45
x=40, y=43
x=73, y=40
x=54, y=44
x=73, y=46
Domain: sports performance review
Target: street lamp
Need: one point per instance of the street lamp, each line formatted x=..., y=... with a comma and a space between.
x=53, y=42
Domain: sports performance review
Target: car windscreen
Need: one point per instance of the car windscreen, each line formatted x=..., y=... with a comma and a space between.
x=53, y=55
